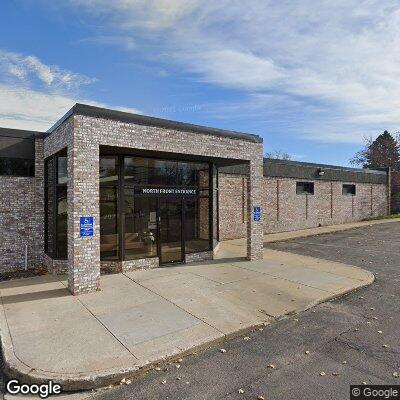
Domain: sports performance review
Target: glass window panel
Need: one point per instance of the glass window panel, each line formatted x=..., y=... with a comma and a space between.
x=170, y=213
x=62, y=173
x=108, y=171
x=305, y=187
x=61, y=222
x=349, y=190
x=197, y=225
x=17, y=156
x=148, y=171
x=109, y=242
x=140, y=227
x=17, y=167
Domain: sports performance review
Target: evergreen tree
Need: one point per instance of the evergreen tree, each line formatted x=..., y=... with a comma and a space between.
x=384, y=151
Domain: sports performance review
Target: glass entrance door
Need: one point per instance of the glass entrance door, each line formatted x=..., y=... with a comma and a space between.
x=170, y=228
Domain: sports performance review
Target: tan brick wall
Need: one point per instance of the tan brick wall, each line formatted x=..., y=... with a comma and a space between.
x=284, y=210
x=22, y=217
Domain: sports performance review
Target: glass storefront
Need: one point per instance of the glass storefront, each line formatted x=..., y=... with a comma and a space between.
x=151, y=207
x=148, y=208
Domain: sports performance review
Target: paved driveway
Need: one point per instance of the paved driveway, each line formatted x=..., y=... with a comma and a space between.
x=353, y=339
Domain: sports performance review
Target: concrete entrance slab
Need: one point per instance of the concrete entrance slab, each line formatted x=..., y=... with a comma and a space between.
x=143, y=317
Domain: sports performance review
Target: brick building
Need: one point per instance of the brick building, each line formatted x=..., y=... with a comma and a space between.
x=108, y=190
x=298, y=195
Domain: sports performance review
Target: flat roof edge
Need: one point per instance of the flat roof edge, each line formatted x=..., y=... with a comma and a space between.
x=377, y=171
x=21, y=133
x=105, y=113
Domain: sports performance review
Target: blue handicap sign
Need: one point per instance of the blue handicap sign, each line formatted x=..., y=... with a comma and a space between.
x=86, y=226
x=257, y=214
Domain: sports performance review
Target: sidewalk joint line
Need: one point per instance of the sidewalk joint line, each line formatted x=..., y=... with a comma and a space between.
x=104, y=326
x=176, y=305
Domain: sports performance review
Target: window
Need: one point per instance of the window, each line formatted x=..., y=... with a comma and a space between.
x=197, y=230
x=348, y=190
x=109, y=240
x=140, y=239
x=305, y=187
x=56, y=212
x=17, y=153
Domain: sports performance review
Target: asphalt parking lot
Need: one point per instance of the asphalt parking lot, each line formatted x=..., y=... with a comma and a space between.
x=313, y=355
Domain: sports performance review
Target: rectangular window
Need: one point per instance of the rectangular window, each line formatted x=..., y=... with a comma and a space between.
x=349, y=190
x=17, y=154
x=197, y=233
x=56, y=212
x=305, y=187
x=109, y=223
x=109, y=240
x=61, y=222
x=140, y=227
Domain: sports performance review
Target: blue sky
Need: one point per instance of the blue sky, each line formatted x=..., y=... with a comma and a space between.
x=312, y=78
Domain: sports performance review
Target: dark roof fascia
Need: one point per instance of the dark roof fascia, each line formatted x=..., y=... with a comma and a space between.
x=68, y=114
x=21, y=133
x=98, y=112
x=378, y=171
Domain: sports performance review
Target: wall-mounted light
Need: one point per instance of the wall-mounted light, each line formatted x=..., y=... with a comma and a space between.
x=321, y=172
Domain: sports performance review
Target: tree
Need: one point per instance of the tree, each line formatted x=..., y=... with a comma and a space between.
x=278, y=155
x=384, y=151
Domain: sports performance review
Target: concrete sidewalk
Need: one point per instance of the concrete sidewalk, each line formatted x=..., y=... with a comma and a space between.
x=144, y=317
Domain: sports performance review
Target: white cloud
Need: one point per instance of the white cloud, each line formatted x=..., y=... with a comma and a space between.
x=24, y=108
x=342, y=56
x=29, y=69
x=34, y=95
x=235, y=69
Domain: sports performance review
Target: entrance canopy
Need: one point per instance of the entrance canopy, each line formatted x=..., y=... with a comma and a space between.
x=92, y=135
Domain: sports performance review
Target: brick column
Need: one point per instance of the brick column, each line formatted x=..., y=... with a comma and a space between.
x=254, y=199
x=83, y=201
